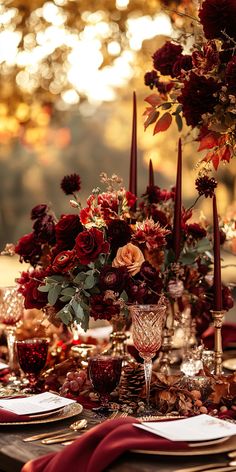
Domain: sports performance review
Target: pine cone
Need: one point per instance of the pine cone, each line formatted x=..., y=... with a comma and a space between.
x=131, y=384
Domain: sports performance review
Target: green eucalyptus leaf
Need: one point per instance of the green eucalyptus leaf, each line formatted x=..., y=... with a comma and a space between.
x=65, y=298
x=165, y=106
x=179, y=122
x=70, y=291
x=44, y=288
x=80, y=277
x=53, y=294
x=188, y=258
x=203, y=245
x=56, y=278
x=89, y=282
x=65, y=315
x=124, y=296
x=85, y=322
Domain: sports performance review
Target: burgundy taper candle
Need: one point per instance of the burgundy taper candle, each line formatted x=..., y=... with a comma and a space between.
x=133, y=152
x=217, y=265
x=151, y=174
x=178, y=204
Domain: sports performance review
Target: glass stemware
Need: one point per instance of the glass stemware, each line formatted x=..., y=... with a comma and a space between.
x=147, y=326
x=11, y=313
x=32, y=356
x=104, y=373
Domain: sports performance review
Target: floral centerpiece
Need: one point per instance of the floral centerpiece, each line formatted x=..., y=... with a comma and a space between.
x=97, y=260
x=199, y=86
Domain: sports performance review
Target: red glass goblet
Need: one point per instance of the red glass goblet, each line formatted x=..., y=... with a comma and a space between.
x=104, y=373
x=32, y=356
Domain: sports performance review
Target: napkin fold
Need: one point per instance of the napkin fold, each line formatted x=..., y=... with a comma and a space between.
x=7, y=416
x=100, y=446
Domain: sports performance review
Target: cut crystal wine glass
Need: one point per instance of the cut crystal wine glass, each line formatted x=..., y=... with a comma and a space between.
x=147, y=326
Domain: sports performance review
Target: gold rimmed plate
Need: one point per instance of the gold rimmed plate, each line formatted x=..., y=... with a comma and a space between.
x=229, y=364
x=213, y=447
x=64, y=413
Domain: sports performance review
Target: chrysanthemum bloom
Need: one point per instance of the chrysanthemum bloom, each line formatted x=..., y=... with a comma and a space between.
x=71, y=184
x=206, y=185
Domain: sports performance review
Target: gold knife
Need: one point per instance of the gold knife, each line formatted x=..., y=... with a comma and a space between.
x=45, y=435
x=61, y=439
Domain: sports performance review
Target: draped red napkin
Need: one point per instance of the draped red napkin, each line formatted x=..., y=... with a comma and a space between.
x=228, y=336
x=99, y=447
x=9, y=417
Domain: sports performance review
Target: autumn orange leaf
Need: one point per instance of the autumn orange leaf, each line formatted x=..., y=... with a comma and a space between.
x=154, y=100
x=163, y=123
x=208, y=141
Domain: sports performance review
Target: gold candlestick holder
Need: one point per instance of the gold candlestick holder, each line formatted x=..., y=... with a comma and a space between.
x=218, y=318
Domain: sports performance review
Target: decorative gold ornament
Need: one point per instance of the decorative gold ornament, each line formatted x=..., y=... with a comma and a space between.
x=218, y=318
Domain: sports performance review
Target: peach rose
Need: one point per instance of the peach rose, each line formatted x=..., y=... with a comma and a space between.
x=130, y=256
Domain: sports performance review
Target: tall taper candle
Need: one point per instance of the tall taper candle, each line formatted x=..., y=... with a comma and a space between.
x=133, y=152
x=178, y=204
x=151, y=174
x=217, y=266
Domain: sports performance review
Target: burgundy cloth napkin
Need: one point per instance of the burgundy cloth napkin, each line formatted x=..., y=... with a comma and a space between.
x=99, y=447
x=228, y=336
x=9, y=417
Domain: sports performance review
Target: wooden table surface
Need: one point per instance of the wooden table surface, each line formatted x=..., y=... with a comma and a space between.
x=14, y=452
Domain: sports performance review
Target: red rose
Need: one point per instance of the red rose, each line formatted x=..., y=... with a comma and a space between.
x=67, y=228
x=89, y=244
x=29, y=249
x=29, y=283
x=64, y=262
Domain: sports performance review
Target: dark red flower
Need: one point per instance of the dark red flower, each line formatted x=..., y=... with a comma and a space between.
x=29, y=249
x=44, y=229
x=198, y=97
x=89, y=244
x=29, y=283
x=151, y=79
x=103, y=308
x=222, y=236
x=38, y=211
x=112, y=278
x=165, y=57
x=71, y=184
x=151, y=276
x=231, y=75
x=158, y=216
x=136, y=291
x=118, y=233
x=131, y=199
x=183, y=62
x=64, y=262
x=67, y=228
x=217, y=17
x=196, y=231
x=206, y=185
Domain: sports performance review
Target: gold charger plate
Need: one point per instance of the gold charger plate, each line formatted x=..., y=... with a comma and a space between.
x=66, y=412
x=216, y=448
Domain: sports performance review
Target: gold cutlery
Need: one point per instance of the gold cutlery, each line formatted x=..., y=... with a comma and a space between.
x=214, y=467
x=82, y=425
x=73, y=427
x=61, y=439
x=232, y=454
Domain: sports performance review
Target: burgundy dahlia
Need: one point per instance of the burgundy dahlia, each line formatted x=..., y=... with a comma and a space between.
x=217, y=17
x=206, y=185
x=44, y=229
x=71, y=184
x=151, y=276
x=198, y=97
x=231, y=75
x=165, y=57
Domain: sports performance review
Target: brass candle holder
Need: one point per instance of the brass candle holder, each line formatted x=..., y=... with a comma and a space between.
x=218, y=318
